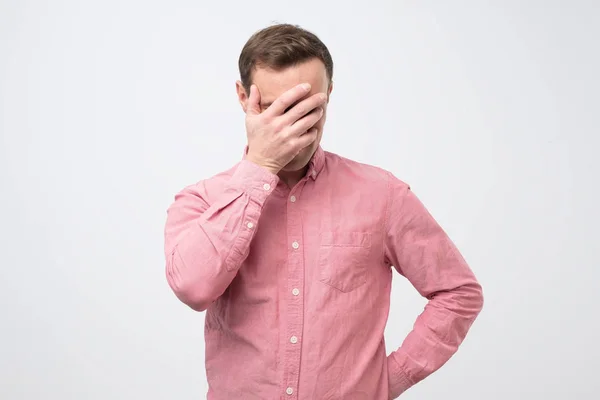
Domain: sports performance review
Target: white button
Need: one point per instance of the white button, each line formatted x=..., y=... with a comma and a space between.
x=250, y=225
x=293, y=199
x=294, y=339
x=266, y=186
x=295, y=245
x=289, y=390
x=295, y=292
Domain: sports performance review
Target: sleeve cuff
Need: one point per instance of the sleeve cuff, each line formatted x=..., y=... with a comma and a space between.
x=398, y=381
x=255, y=180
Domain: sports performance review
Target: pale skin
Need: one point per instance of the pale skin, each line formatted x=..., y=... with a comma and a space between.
x=285, y=115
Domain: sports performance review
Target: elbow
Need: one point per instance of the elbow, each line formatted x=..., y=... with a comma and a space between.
x=198, y=306
x=476, y=299
x=480, y=296
x=195, y=301
x=188, y=291
x=191, y=296
x=465, y=300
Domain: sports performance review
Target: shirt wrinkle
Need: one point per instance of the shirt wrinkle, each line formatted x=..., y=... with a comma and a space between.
x=296, y=285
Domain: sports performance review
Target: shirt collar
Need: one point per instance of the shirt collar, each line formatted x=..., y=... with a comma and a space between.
x=314, y=166
x=316, y=163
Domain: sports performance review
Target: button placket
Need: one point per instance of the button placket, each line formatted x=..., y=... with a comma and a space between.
x=294, y=303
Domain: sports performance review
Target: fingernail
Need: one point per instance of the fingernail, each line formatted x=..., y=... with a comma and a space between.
x=305, y=86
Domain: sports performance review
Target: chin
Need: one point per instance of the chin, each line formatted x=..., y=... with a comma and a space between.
x=298, y=163
x=301, y=160
x=295, y=165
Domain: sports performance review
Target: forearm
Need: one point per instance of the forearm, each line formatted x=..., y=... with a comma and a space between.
x=436, y=336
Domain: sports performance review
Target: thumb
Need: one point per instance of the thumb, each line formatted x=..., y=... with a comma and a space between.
x=253, y=104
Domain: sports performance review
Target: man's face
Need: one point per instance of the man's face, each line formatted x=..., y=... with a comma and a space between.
x=271, y=84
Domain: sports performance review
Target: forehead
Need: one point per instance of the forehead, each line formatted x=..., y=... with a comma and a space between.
x=272, y=84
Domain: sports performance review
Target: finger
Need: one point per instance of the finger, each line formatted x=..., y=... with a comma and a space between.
x=253, y=107
x=306, y=122
x=303, y=108
x=306, y=139
x=287, y=99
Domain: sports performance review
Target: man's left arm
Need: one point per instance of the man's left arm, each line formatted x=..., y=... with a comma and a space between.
x=421, y=251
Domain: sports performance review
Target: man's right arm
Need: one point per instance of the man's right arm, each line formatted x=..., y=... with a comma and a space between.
x=205, y=244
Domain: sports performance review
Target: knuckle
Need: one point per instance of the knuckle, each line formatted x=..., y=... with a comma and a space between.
x=278, y=125
x=281, y=102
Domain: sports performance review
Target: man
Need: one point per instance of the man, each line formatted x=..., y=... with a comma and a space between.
x=291, y=251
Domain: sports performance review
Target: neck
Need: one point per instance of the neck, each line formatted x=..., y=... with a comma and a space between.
x=291, y=178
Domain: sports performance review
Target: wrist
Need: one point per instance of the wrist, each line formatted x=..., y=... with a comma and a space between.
x=272, y=169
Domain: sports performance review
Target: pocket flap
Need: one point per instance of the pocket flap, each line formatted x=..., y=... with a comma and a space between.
x=346, y=239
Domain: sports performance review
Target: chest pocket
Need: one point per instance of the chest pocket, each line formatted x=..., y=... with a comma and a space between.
x=343, y=259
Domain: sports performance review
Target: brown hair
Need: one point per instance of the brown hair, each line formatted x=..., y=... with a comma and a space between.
x=281, y=46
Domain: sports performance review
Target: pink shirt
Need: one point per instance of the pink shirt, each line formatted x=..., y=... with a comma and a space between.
x=296, y=282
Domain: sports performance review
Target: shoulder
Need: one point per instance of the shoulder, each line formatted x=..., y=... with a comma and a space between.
x=366, y=175
x=209, y=187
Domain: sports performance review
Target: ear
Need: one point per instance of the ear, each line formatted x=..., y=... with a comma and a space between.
x=329, y=90
x=242, y=95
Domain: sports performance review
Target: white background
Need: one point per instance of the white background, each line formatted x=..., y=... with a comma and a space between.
x=489, y=109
